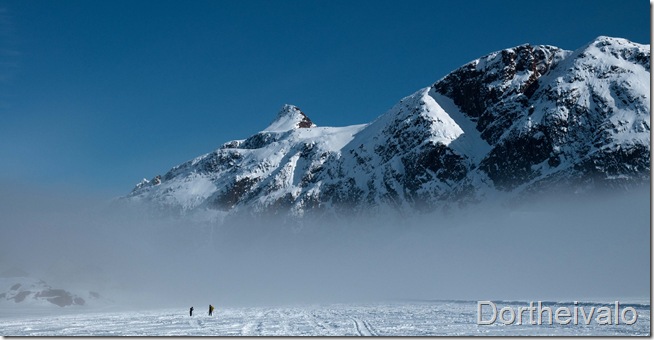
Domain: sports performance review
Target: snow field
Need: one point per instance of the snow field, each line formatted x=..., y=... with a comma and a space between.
x=391, y=319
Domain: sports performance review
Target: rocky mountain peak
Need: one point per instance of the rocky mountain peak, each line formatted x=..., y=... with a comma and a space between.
x=290, y=117
x=618, y=48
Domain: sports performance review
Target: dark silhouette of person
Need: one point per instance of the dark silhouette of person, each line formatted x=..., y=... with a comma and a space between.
x=210, y=310
x=190, y=312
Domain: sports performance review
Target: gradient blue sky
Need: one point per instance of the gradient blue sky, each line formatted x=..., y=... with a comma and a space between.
x=95, y=95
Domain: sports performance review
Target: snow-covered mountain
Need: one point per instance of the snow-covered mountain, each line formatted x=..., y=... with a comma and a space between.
x=517, y=121
x=17, y=288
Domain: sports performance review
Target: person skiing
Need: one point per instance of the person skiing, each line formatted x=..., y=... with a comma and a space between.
x=210, y=310
x=190, y=312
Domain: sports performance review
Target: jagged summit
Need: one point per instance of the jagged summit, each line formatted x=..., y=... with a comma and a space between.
x=618, y=48
x=290, y=117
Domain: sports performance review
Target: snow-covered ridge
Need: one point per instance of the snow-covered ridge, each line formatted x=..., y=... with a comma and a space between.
x=517, y=121
x=23, y=291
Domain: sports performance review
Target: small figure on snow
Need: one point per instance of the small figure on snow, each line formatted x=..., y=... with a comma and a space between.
x=210, y=310
x=190, y=312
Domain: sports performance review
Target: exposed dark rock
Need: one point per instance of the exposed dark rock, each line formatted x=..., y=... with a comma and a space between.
x=305, y=122
x=259, y=140
x=510, y=163
x=491, y=95
x=229, y=198
x=21, y=296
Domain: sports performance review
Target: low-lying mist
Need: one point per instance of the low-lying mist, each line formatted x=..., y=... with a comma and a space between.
x=552, y=249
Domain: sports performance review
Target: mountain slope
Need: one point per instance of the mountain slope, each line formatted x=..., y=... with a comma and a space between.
x=517, y=121
x=18, y=289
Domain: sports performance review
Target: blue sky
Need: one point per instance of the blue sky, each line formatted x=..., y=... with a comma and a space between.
x=95, y=95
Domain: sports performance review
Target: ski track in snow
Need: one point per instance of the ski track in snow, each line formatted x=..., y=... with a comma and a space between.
x=363, y=328
x=390, y=319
